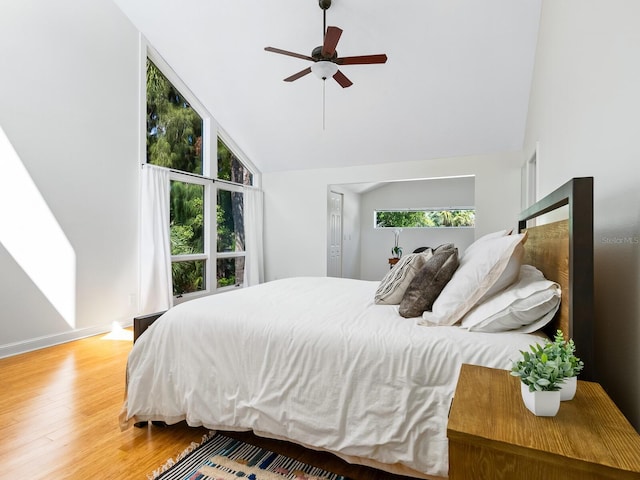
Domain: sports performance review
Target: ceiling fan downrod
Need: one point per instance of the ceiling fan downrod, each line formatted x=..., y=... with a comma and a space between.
x=324, y=5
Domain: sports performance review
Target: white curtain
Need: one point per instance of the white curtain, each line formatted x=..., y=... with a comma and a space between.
x=156, y=291
x=253, y=218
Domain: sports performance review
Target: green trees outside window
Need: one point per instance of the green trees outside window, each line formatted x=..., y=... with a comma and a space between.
x=174, y=129
x=424, y=218
x=230, y=168
x=186, y=230
x=230, y=219
x=175, y=137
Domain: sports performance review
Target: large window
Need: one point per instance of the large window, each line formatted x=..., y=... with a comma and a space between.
x=206, y=199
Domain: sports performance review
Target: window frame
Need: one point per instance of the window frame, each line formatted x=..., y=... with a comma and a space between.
x=209, y=240
x=211, y=130
x=231, y=187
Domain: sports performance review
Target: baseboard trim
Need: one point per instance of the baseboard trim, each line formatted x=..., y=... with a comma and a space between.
x=38, y=343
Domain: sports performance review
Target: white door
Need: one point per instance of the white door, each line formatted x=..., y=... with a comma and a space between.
x=334, y=255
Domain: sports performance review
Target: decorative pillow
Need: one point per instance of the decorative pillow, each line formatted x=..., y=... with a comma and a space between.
x=444, y=246
x=526, y=306
x=428, y=283
x=395, y=282
x=477, y=273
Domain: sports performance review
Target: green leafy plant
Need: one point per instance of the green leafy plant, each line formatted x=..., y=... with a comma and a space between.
x=546, y=366
x=565, y=350
x=539, y=369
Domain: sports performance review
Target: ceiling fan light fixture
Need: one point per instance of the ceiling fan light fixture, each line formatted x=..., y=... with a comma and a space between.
x=324, y=69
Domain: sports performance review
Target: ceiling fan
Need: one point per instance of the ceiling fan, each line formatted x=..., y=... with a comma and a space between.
x=325, y=57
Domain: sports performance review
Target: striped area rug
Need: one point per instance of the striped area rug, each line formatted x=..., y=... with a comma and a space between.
x=222, y=458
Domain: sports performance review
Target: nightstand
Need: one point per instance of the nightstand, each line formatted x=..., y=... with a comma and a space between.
x=492, y=435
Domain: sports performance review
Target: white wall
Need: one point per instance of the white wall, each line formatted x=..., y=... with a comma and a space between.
x=296, y=204
x=69, y=106
x=420, y=194
x=584, y=112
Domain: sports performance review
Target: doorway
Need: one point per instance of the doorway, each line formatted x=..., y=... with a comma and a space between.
x=334, y=244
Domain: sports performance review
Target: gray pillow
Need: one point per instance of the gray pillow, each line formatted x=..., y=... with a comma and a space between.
x=444, y=246
x=396, y=281
x=428, y=282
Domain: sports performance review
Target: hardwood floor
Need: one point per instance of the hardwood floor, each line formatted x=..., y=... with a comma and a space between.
x=59, y=411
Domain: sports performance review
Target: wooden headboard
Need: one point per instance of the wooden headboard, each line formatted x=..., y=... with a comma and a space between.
x=563, y=252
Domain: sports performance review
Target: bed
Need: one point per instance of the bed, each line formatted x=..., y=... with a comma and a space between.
x=317, y=362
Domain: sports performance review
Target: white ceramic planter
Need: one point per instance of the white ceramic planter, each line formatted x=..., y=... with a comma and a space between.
x=568, y=389
x=542, y=404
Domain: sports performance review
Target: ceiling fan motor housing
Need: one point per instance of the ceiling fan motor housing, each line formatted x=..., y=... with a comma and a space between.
x=316, y=54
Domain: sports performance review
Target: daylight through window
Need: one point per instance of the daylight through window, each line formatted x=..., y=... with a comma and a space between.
x=424, y=218
x=178, y=138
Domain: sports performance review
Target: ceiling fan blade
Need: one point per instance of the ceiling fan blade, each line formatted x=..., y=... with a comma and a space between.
x=331, y=41
x=362, y=59
x=291, y=54
x=296, y=76
x=342, y=79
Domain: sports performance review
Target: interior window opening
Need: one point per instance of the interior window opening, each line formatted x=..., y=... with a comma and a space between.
x=425, y=218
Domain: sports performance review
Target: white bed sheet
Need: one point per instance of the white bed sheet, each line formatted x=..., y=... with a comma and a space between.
x=313, y=360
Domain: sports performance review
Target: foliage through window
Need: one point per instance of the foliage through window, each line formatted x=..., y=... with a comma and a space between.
x=174, y=129
x=177, y=139
x=424, y=218
x=186, y=215
x=230, y=220
x=230, y=167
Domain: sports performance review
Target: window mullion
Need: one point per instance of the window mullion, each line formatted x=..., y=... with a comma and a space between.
x=209, y=168
x=188, y=257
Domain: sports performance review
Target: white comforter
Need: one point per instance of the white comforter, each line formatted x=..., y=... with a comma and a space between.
x=313, y=360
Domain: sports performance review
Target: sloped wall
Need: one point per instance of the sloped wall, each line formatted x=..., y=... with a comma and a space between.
x=70, y=109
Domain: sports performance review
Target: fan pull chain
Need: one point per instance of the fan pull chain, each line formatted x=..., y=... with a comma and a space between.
x=324, y=84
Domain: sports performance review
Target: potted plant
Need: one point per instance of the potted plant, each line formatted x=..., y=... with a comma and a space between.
x=572, y=365
x=396, y=251
x=540, y=378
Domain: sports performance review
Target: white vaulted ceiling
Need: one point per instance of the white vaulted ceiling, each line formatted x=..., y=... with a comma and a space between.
x=456, y=81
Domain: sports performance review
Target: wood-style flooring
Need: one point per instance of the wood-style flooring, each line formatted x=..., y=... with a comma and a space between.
x=59, y=411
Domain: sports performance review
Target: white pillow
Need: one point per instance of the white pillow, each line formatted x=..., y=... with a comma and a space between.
x=395, y=282
x=509, y=275
x=526, y=306
x=484, y=238
x=478, y=272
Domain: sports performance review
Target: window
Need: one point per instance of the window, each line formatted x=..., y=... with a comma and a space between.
x=174, y=129
x=449, y=217
x=230, y=167
x=230, y=242
x=187, y=234
x=206, y=199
